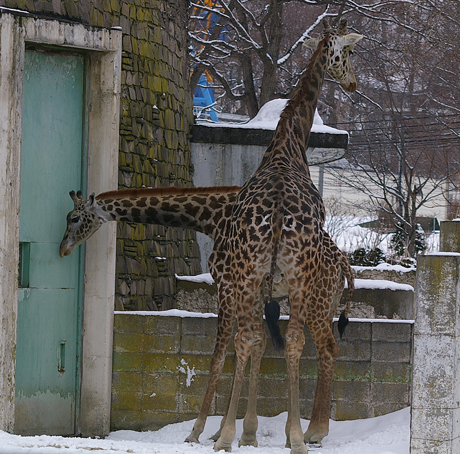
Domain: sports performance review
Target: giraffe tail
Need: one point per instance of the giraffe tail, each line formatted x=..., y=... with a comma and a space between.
x=348, y=273
x=272, y=315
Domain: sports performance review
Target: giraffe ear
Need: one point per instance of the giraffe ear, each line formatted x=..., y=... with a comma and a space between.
x=311, y=43
x=91, y=201
x=352, y=38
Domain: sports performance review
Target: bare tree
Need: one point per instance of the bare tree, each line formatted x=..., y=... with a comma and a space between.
x=405, y=125
x=405, y=117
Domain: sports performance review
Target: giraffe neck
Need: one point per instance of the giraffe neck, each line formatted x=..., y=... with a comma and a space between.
x=293, y=131
x=198, y=209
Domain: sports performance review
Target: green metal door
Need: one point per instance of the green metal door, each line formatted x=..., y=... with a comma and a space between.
x=49, y=306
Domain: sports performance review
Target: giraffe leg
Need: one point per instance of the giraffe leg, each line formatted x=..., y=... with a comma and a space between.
x=250, y=423
x=243, y=343
x=224, y=332
x=295, y=340
x=327, y=351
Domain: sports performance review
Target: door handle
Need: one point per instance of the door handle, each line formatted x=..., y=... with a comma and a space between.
x=61, y=356
x=24, y=265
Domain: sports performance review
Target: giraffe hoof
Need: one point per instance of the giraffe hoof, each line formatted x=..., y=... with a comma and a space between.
x=221, y=445
x=300, y=449
x=314, y=437
x=248, y=441
x=192, y=439
x=216, y=436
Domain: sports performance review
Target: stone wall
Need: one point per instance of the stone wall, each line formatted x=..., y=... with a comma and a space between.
x=156, y=113
x=365, y=302
x=161, y=369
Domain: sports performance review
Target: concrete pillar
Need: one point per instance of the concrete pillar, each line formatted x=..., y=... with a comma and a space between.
x=450, y=236
x=11, y=56
x=435, y=414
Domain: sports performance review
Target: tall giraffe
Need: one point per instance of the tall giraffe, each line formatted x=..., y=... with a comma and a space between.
x=209, y=211
x=278, y=221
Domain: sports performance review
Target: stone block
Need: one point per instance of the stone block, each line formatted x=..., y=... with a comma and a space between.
x=128, y=342
x=162, y=325
x=386, y=393
x=162, y=343
x=127, y=381
x=450, y=236
x=127, y=362
x=387, y=407
x=125, y=420
x=355, y=331
x=423, y=446
x=273, y=367
x=127, y=401
x=436, y=295
x=391, y=372
x=435, y=371
x=198, y=344
x=200, y=364
x=391, y=352
x=354, y=350
x=128, y=323
x=160, y=363
x=350, y=370
x=392, y=332
x=434, y=424
x=273, y=387
x=345, y=410
x=351, y=391
x=160, y=392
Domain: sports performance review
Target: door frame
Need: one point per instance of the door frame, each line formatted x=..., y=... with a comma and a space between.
x=104, y=73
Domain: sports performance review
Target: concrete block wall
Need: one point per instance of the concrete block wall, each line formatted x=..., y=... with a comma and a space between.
x=161, y=369
x=155, y=117
x=365, y=302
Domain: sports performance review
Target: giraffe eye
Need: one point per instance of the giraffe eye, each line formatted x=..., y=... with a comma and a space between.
x=75, y=219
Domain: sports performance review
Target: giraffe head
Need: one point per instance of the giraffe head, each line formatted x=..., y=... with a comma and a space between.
x=340, y=46
x=82, y=222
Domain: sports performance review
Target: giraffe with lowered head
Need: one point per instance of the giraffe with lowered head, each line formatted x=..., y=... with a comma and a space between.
x=209, y=210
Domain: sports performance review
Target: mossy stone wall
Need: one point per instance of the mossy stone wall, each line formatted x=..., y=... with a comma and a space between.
x=161, y=370
x=155, y=117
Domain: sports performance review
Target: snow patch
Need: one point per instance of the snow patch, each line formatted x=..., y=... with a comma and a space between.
x=189, y=372
x=389, y=434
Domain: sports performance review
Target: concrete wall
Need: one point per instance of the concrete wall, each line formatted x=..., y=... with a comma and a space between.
x=365, y=303
x=161, y=365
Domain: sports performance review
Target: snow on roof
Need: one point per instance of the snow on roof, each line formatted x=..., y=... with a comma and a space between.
x=269, y=115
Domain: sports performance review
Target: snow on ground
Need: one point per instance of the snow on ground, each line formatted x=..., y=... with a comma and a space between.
x=387, y=434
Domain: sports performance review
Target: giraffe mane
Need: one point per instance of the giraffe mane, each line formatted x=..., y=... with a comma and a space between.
x=171, y=190
x=291, y=107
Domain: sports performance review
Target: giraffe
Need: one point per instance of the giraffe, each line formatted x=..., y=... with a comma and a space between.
x=277, y=221
x=209, y=210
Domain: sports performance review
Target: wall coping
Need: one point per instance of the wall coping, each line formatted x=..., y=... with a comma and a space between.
x=188, y=314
